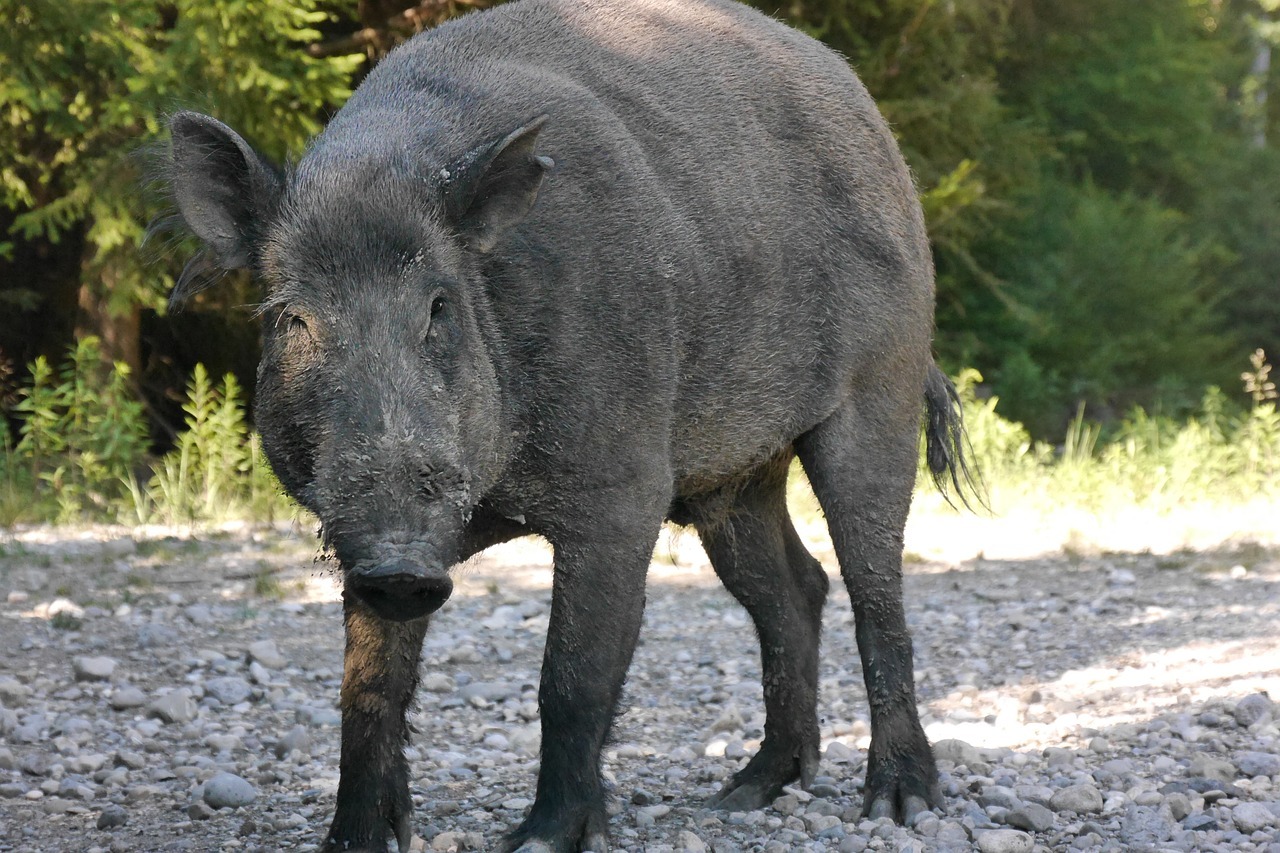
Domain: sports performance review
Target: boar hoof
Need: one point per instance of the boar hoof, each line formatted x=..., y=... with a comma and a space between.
x=912, y=807
x=900, y=788
x=401, y=826
x=761, y=781
x=588, y=839
x=594, y=843
x=333, y=845
x=744, y=798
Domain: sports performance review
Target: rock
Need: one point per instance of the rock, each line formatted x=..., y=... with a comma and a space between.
x=1251, y=817
x=1258, y=763
x=1179, y=805
x=730, y=720
x=229, y=689
x=112, y=816
x=437, y=682
x=956, y=751
x=266, y=653
x=200, y=811
x=1207, y=766
x=56, y=805
x=1005, y=841
x=124, y=698
x=1058, y=756
x=298, y=738
x=1252, y=709
x=176, y=706
x=687, y=842
x=1081, y=799
x=1030, y=816
x=319, y=717
x=464, y=654
x=998, y=795
x=839, y=753
x=1143, y=827
x=488, y=691
x=259, y=674
x=228, y=790
x=198, y=614
x=93, y=668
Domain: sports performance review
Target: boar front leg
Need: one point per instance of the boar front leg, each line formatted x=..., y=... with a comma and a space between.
x=596, y=610
x=380, y=675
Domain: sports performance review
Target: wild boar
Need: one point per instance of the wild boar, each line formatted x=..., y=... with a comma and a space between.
x=574, y=268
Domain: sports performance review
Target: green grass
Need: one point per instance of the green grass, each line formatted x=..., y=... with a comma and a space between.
x=1227, y=453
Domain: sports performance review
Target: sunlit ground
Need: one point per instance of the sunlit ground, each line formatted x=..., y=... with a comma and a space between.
x=1065, y=710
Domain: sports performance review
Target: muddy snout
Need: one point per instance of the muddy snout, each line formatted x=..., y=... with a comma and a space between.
x=401, y=589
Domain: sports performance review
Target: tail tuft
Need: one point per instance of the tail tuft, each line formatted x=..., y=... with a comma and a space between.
x=947, y=450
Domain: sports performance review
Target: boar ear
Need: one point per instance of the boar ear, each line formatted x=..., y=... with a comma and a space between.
x=224, y=189
x=496, y=186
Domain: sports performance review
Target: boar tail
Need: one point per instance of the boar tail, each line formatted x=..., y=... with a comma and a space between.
x=947, y=449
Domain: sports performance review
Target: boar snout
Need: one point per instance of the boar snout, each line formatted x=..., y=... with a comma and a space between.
x=401, y=590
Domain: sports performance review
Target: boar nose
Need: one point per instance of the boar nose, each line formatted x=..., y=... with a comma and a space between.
x=401, y=590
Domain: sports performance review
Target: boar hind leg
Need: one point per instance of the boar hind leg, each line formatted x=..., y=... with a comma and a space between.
x=380, y=674
x=861, y=463
x=596, y=608
x=759, y=557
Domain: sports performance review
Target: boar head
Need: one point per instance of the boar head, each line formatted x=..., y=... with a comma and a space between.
x=378, y=398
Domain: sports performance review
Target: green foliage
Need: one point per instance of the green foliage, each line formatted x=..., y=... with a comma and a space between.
x=81, y=88
x=1101, y=180
x=217, y=470
x=933, y=68
x=1128, y=91
x=83, y=452
x=1113, y=309
x=82, y=432
x=1224, y=453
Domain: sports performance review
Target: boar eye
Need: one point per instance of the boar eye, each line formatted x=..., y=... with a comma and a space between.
x=294, y=325
x=433, y=327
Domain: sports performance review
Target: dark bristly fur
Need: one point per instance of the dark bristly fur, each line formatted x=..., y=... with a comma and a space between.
x=571, y=268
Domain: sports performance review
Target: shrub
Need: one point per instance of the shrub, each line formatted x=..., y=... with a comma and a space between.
x=82, y=434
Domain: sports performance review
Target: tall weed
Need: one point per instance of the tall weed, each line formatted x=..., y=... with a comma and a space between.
x=217, y=470
x=82, y=434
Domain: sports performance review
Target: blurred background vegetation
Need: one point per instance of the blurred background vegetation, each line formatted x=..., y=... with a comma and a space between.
x=1101, y=180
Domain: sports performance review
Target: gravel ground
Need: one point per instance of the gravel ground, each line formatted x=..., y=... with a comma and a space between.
x=177, y=692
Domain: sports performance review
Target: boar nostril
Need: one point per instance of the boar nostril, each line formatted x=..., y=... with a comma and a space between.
x=401, y=590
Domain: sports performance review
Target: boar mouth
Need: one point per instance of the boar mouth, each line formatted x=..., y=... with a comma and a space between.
x=400, y=590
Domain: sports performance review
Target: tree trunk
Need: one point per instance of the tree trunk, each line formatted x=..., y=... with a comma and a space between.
x=119, y=331
x=1260, y=72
